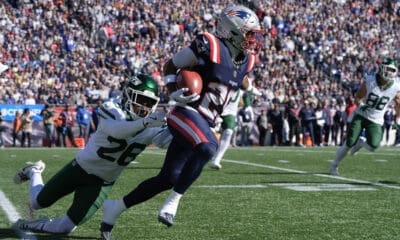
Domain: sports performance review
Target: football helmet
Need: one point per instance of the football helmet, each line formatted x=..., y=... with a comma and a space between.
x=140, y=96
x=388, y=69
x=241, y=27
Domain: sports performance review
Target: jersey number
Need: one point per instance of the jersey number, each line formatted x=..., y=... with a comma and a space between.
x=129, y=152
x=374, y=101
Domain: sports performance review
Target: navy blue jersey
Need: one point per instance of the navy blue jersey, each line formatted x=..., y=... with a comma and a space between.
x=222, y=78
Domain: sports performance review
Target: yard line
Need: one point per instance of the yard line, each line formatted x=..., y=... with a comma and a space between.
x=296, y=171
x=13, y=215
x=381, y=152
x=8, y=208
x=313, y=174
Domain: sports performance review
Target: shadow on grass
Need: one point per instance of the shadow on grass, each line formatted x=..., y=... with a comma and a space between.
x=9, y=233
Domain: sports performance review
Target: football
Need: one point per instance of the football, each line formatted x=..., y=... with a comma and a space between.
x=191, y=80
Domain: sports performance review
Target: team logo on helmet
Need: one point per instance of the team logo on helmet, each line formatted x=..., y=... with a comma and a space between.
x=238, y=13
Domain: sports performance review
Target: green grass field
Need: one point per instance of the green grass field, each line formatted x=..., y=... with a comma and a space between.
x=260, y=193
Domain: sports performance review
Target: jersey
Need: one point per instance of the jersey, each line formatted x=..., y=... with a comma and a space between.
x=222, y=77
x=117, y=142
x=377, y=100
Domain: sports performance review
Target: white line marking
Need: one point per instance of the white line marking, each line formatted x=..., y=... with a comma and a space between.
x=312, y=187
x=13, y=216
x=232, y=186
x=8, y=208
x=314, y=174
x=297, y=171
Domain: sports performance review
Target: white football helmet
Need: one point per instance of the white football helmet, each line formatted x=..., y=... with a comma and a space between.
x=388, y=69
x=240, y=26
x=140, y=96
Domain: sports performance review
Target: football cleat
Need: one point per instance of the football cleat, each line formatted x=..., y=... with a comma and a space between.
x=24, y=173
x=357, y=146
x=105, y=231
x=215, y=166
x=166, y=219
x=36, y=225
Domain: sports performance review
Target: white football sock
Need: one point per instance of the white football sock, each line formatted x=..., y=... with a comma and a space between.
x=171, y=203
x=35, y=186
x=223, y=145
x=112, y=210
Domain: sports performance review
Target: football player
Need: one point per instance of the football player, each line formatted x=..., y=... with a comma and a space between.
x=125, y=129
x=223, y=61
x=229, y=124
x=373, y=98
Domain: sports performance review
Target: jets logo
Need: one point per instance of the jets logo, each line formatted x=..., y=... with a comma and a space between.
x=136, y=81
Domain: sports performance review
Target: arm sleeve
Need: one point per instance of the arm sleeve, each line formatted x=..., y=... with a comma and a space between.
x=185, y=58
x=163, y=138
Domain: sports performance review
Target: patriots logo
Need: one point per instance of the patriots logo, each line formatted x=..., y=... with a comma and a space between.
x=238, y=13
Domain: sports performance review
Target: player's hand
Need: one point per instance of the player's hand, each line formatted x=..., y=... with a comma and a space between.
x=155, y=119
x=180, y=97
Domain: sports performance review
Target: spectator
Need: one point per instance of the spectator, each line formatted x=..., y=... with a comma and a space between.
x=83, y=118
x=95, y=117
x=275, y=118
x=292, y=115
x=48, y=124
x=262, y=125
x=17, y=122
x=87, y=53
x=307, y=118
x=65, y=128
x=320, y=116
x=26, y=127
x=339, y=124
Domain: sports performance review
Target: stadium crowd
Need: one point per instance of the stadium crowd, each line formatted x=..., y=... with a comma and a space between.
x=314, y=57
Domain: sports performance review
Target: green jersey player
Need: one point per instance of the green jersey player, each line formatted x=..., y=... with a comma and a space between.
x=373, y=97
x=125, y=129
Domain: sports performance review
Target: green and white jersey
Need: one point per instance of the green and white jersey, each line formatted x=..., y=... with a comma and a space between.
x=377, y=100
x=233, y=104
x=116, y=143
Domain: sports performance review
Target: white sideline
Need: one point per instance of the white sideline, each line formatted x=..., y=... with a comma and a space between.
x=13, y=215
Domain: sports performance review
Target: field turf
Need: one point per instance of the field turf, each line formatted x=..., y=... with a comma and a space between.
x=260, y=193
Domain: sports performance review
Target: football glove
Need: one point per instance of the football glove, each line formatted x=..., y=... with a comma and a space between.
x=155, y=119
x=180, y=97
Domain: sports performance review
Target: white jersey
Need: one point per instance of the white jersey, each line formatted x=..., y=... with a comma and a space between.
x=233, y=104
x=116, y=142
x=377, y=100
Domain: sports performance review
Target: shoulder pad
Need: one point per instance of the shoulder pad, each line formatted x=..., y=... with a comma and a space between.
x=110, y=110
x=202, y=44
